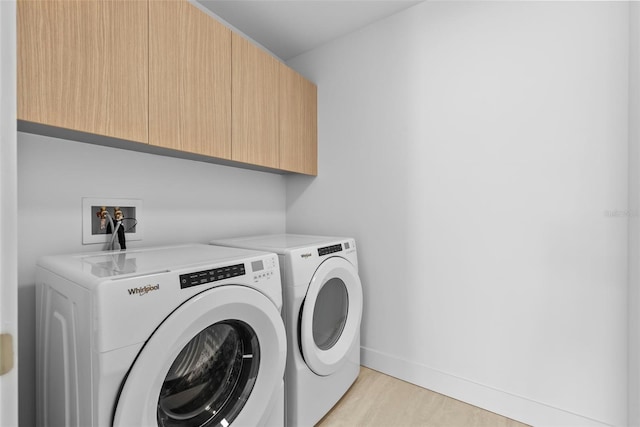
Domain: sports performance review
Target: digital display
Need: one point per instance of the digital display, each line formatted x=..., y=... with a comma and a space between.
x=257, y=265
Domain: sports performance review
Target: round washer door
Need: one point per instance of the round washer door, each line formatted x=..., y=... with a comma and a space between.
x=331, y=314
x=216, y=360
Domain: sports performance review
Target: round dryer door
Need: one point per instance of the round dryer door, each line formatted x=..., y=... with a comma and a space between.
x=216, y=360
x=330, y=318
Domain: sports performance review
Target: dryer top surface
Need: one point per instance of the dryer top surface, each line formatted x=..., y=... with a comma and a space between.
x=280, y=243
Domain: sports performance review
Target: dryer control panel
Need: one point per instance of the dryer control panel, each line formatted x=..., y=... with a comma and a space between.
x=213, y=275
x=329, y=250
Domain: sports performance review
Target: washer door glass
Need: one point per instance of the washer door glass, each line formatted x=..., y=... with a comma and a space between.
x=330, y=313
x=211, y=379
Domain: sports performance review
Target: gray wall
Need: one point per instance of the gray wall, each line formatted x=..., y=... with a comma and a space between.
x=478, y=153
x=183, y=201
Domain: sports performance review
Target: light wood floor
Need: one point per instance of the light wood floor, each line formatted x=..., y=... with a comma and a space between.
x=376, y=399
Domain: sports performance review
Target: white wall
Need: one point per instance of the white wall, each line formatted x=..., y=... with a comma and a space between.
x=478, y=153
x=634, y=215
x=183, y=201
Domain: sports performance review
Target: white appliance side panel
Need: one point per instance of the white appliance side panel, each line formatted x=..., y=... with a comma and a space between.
x=63, y=352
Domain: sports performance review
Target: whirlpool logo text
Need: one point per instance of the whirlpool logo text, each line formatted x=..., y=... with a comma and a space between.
x=143, y=290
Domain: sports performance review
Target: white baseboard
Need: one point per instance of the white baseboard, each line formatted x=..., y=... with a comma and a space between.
x=500, y=402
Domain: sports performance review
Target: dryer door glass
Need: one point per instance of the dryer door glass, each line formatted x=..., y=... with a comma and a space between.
x=212, y=377
x=330, y=313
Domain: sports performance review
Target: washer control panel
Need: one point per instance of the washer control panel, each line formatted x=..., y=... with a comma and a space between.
x=263, y=268
x=213, y=275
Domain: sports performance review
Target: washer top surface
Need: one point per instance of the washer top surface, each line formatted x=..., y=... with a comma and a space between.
x=279, y=243
x=104, y=265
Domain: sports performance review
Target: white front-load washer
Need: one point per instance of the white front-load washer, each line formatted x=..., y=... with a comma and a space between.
x=322, y=312
x=175, y=336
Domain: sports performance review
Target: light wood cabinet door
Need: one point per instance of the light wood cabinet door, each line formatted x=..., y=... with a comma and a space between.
x=298, y=123
x=83, y=65
x=189, y=80
x=255, y=134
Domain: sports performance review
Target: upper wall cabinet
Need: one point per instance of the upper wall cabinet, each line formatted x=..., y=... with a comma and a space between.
x=274, y=112
x=83, y=65
x=255, y=102
x=189, y=80
x=298, y=123
x=165, y=73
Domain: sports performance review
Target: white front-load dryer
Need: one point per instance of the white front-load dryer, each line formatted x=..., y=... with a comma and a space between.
x=175, y=336
x=322, y=312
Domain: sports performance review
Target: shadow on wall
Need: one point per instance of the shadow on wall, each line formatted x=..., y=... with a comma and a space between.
x=296, y=186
